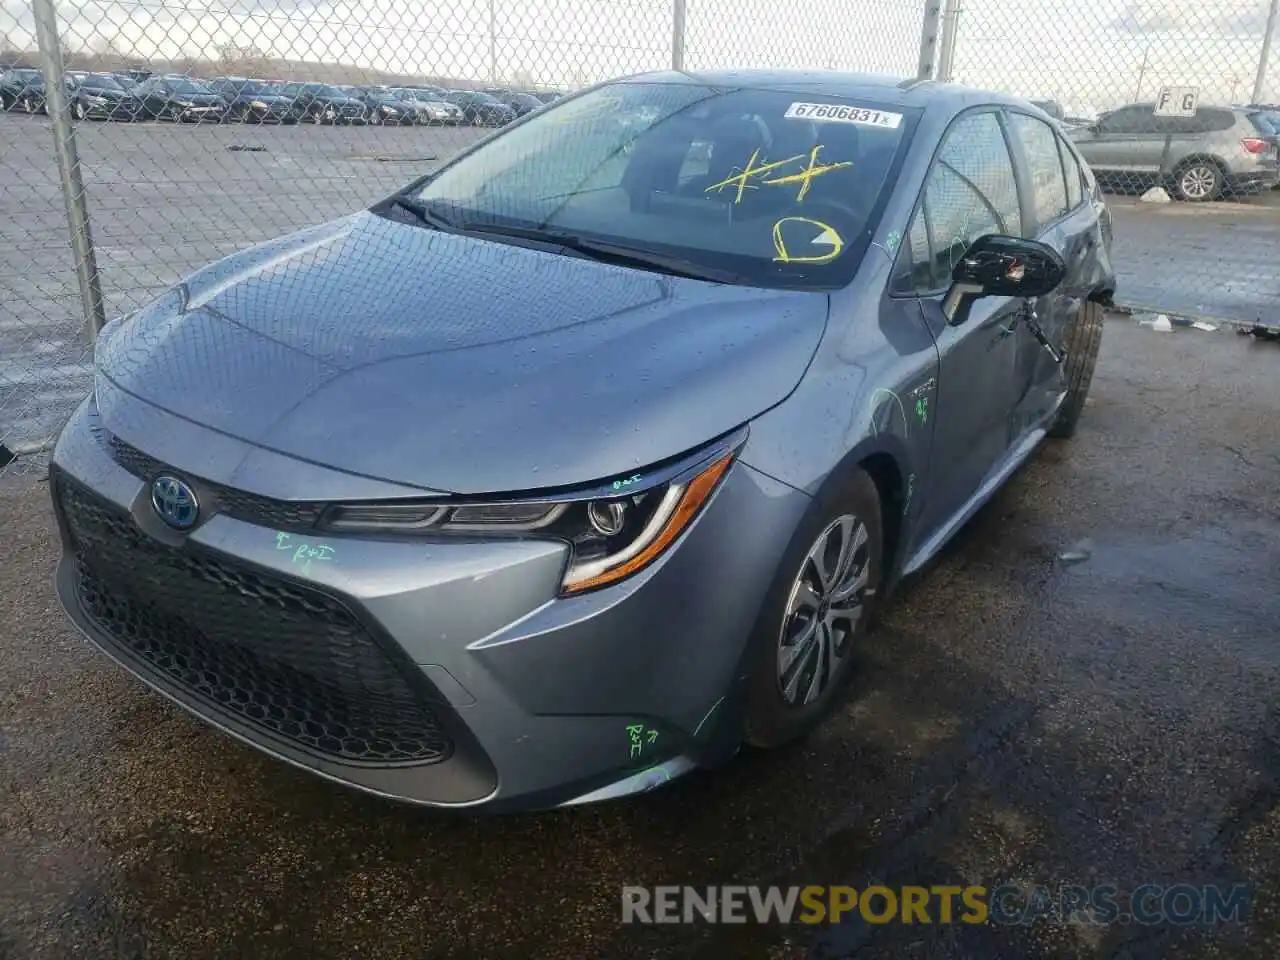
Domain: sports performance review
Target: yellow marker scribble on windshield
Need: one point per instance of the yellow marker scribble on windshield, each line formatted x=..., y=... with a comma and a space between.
x=805, y=176
x=826, y=236
x=740, y=178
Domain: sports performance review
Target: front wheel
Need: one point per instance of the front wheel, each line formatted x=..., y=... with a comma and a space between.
x=1198, y=181
x=1083, y=340
x=815, y=612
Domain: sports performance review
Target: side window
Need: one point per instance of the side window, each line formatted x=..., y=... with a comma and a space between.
x=1040, y=144
x=971, y=191
x=1127, y=120
x=1075, y=193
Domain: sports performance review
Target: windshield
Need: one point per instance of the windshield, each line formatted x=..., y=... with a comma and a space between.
x=181, y=87
x=777, y=188
x=26, y=76
x=322, y=90
x=408, y=94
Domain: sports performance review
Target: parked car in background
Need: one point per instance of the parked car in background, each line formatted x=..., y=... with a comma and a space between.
x=100, y=96
x=384, y=106
x=325, y=103
x=428, y=107
x=22, y=90
x=521, y=103
x=480, y=109
x=659, y=448
x=1220, y=151
x=180, y=99
x=255, y=101
x=547, y=96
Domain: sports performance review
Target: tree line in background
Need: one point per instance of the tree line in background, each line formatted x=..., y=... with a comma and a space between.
x=241, y=61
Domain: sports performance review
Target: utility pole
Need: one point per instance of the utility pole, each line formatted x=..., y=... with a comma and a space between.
x=1142, y=72
x=493, y=42
x=1260, y=80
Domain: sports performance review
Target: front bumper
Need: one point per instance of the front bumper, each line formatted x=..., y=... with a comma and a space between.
x=444, y=674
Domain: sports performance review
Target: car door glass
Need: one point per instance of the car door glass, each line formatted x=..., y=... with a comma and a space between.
x=1126, y=120
x=1075, y=192
x=1049, y=187
x=971, y=191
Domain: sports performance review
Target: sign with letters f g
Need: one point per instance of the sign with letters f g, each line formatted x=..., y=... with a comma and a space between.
x=1177, y=101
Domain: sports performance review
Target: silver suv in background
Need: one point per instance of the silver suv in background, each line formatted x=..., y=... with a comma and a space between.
x=1218, y=151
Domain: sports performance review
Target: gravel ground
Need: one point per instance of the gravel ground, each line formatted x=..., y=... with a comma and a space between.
x=1017, y=716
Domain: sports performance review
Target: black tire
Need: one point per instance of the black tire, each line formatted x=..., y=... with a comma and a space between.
x=1081, y=346
x=1199, y=181
x=771, y=720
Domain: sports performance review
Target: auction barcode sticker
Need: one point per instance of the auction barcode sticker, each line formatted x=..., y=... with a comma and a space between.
x=837, y=113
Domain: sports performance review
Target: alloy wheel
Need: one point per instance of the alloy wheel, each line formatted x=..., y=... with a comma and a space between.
x=823, y=610
x=1198, y=182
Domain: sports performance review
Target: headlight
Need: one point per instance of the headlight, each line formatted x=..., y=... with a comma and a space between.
x=185, y=103
x=95, y=100
x=389, y=110
x=258, y=105
x=613, y=531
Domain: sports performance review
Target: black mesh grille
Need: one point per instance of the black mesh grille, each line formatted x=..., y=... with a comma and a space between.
x=249, y=507
x=289, y=659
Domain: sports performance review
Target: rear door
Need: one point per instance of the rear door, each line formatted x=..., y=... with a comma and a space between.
x=1125, y=141
x=970, y=191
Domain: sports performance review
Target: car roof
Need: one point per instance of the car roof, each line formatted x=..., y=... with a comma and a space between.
x=899, y=91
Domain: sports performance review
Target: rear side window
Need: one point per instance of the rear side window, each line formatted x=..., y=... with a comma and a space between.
x=1040, y=144
x=971, y=191
x=1128, y=120
x=1075, y=193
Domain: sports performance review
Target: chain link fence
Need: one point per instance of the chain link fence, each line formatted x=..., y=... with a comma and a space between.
x=184, y=131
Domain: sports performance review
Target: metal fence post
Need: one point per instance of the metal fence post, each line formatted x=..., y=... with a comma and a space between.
x=64, y=146
x=947, y=53
x=1261, y=78
x=929, y=39
x=677, y=34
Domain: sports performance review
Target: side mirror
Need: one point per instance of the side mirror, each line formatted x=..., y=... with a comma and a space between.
x=997, y=266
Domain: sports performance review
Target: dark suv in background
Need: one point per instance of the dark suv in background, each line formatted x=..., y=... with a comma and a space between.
x=181, y=99
x=22, y=89
x=325, y=103
x=1220, y=151
x=480, y=109
x=521, y=103
x=255, y=101
x=101, y=96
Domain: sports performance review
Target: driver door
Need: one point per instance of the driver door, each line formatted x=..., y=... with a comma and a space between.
x=971, y=191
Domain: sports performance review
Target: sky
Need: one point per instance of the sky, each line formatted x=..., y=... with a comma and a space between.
x=1085, y=53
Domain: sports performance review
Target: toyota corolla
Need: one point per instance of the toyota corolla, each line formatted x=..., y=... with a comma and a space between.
x=581, y=462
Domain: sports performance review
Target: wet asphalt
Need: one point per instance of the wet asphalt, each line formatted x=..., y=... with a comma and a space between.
x=1109, y=717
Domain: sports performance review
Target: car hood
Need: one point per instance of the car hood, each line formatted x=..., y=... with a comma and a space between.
x=456, y=364
x=107, y=93
x=271, y=99
x=199, y=99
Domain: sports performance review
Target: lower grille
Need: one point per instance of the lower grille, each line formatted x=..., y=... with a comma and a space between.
x=288, y=659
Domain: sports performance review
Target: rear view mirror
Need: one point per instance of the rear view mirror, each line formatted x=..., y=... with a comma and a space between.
x=997, y=266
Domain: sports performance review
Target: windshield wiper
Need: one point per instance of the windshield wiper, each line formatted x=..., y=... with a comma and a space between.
x=425, y=213
x=605, y=252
